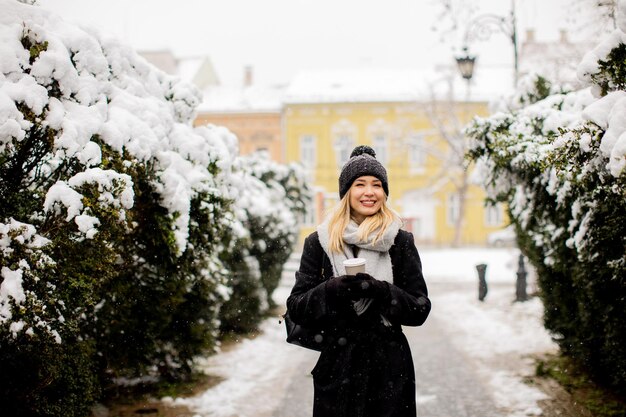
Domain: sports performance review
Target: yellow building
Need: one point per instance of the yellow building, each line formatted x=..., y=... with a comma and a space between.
x=415, y=135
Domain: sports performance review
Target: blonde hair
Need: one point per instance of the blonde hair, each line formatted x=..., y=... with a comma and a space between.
x=340, y=217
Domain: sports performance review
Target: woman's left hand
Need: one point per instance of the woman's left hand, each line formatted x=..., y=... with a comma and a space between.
x=370, y=287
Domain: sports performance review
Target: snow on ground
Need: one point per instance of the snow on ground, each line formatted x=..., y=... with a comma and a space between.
x=500, y=336
x=497, y=335
x=459, y=264
x=256, y=374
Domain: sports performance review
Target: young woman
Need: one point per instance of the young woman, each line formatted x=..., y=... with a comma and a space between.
x=365, y=368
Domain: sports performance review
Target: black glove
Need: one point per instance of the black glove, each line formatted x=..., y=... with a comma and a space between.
x=343, y=287
x=370, y=287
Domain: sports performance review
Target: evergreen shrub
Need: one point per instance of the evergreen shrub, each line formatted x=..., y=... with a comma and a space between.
x=274, y=231
x=549, y=159
x=128, y=238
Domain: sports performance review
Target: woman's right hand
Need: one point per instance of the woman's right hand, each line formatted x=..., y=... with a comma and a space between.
x=343, y=287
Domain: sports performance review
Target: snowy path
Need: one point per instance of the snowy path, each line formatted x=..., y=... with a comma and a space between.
x=448, y=384
x=298, y=398
x=470, y=357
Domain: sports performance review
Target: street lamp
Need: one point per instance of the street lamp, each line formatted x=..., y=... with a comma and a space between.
x=481, y=28
x=465, y=63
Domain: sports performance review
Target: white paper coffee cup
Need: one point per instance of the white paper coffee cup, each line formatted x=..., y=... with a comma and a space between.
x=354, y=266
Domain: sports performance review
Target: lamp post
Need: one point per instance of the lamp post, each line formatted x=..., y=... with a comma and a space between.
x=481, y=28
x=465, y=63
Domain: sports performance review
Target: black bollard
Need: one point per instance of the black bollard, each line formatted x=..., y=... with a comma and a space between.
x=482, y=282
x=520, y=284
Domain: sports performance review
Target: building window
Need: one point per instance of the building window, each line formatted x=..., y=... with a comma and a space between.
x=381, y=149
x=417, y=152
x=308, y=151
x=343, y=147
x=493, y=215
x=453, y=209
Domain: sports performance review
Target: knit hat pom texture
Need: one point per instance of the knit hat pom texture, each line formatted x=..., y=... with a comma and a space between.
x=363, y=149
x=362, y=162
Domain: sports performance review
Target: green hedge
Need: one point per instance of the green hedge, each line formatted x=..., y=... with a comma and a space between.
x=121, y=226
x=544, y=159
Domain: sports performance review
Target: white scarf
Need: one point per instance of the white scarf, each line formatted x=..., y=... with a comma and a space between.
x=376, y=254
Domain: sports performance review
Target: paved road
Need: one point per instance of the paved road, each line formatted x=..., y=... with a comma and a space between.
x=448, y=384
x=298, y=400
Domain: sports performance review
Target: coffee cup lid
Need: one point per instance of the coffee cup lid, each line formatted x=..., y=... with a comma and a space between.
x=354, y=262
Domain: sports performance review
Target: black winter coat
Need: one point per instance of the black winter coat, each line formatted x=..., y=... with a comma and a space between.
x=365, y=368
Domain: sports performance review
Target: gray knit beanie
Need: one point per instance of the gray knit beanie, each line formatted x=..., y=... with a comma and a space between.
x=362, y=162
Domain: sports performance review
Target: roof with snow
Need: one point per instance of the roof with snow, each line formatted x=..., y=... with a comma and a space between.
x=331, y=86
x=360, y=86
x=221, y=98
x=396, y=85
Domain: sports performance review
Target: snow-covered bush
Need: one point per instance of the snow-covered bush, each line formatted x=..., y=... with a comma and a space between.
x=126, y=234
x=273, y=206
x=247, y=301
x=112, y=207
x=558, y=162
x=269, y=203
x=40, y=349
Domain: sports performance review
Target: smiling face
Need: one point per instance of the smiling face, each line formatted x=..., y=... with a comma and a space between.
x=366, y=197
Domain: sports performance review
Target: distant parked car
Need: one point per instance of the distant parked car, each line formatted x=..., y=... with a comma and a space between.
x=502, y=238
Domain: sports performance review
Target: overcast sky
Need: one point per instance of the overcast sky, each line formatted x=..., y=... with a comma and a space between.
x=281, y=37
